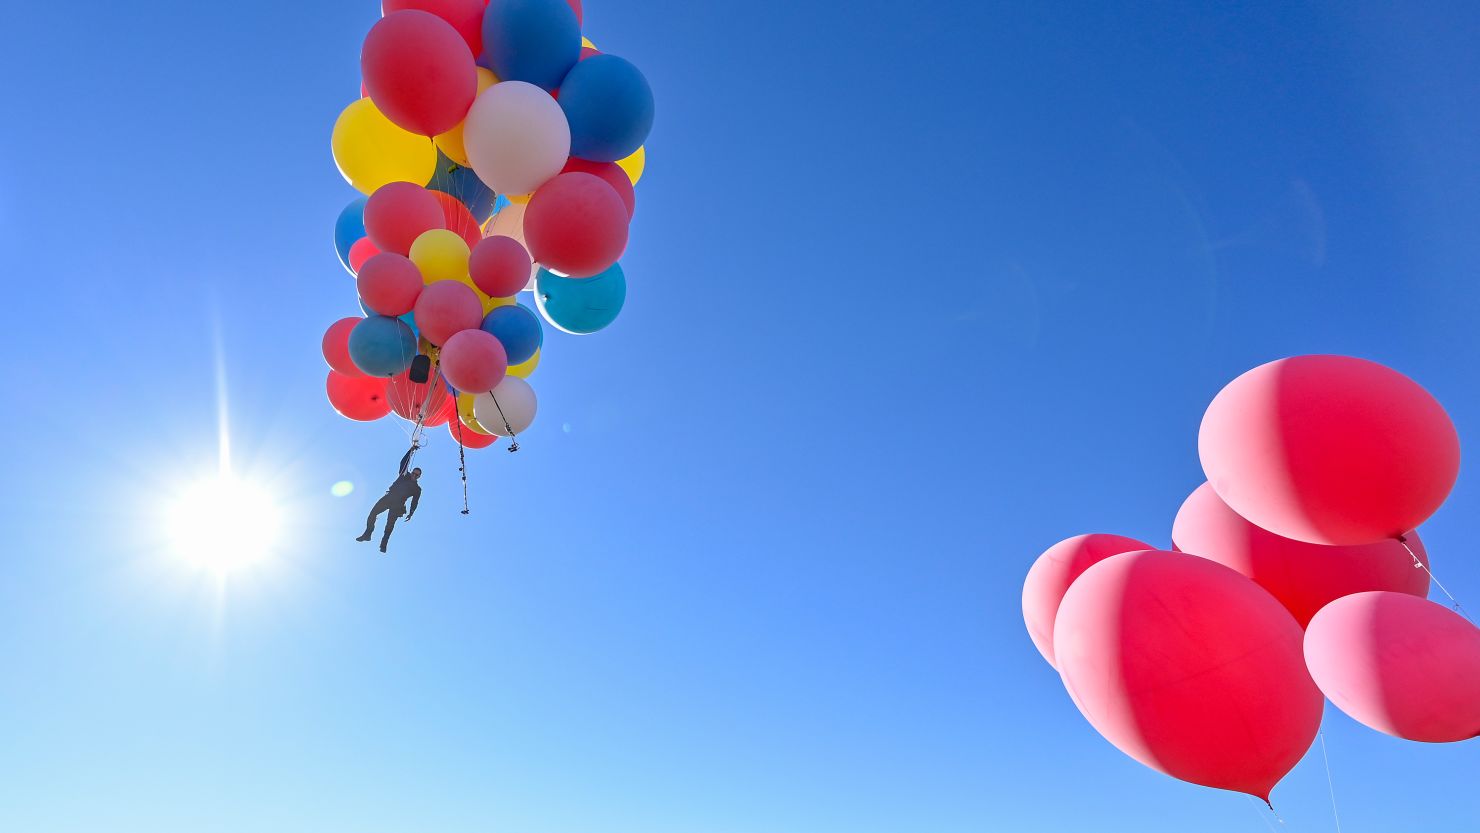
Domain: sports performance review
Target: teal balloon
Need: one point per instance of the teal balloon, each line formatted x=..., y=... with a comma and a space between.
x=581, y=306
x=381, y=346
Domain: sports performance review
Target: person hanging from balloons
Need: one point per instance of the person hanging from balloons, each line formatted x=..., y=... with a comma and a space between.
x=393, y=503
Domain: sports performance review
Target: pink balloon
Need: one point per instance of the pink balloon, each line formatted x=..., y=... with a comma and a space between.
x=398, y=212
x=361, y=251
x=446, y=411
x=389, y=284
x=499, y=266
x=468, y=437
x=1189, y=668
x=1399, y=664
x=361, y=398
x=1304, y=577
x=445, y=308
x=407, y=398
x=612, y=174
x=1055, y=570
x=474, y=361
x=335, y=345
x=419, y=71
x=576, y=224
x=457, y=217
x=1329, y=450
x=466, y=16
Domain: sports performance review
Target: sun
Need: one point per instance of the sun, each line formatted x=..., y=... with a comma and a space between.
x=223, y=522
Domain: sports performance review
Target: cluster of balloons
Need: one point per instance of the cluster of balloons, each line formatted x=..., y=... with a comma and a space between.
x=1294, y=572
x=497, y=150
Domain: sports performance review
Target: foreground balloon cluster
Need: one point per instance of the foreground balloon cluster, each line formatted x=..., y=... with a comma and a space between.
x=497, y=150
x=1294, y=572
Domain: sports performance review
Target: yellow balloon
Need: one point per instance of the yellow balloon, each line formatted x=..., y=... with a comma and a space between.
x=523, y=369
x=586, y=42
x=451, y=142
x=465, y=413
x=520, y=199
x=489, y=304
x=371, y=151
x=441, y=255
x=635, y=164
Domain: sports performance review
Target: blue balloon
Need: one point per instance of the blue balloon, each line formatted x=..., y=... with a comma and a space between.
x=581, y=305
x=349, y=229
x=609, y=106
x=382, y=346
x=537, y=41
x=517, y=329
x=462, y=183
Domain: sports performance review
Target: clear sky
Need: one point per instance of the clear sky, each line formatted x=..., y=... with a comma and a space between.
x=915, y=292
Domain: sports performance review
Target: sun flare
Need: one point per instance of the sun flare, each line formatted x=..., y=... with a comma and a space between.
x=224, y=522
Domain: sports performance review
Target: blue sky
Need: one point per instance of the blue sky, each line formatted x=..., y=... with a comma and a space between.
x=913, y=294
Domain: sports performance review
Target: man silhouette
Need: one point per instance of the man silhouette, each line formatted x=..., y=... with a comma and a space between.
x=394, y=501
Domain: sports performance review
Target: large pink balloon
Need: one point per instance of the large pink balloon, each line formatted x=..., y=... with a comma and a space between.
x=1399, y=664
x=1304, y=577
x=474, y=361
x=419, y=71
x=499, y=266
x=398, y=212
x=335, y=345
x=576, y=224
x=389, y=284
x=445, y=308
x=1189, y=668
x=1329, y=449
x=361, y=398
x=1056, y=569
x=466, y=16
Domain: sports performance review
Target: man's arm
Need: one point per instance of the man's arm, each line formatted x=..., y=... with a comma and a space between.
x=406, y=461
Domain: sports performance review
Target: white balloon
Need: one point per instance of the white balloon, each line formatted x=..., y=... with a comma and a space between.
x=508, y=409
x=516, y=137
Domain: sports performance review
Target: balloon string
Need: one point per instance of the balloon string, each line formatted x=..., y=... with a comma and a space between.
x=1254, y=805
x=1418, y=564
x=462, y=461
x=513, y=443
x=1330, y=784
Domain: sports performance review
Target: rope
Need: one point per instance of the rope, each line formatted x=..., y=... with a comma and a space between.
x=1254, y=805
x=1330, y=785
x=462, y=460
x=1418, y=564
x=513, y=442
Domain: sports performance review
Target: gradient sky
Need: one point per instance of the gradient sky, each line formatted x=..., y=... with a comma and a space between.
x=915, y=292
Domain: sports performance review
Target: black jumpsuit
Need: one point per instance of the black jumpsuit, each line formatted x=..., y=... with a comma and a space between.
x=394, y=503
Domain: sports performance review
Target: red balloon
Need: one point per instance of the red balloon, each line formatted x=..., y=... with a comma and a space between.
x=361, y=251
x=575, y=6
x=588, y=52
x=360, y=398
x=466, y=16
x=1189, y=668
x=1329, y=450
x=576, y=224
x=499, y=266
x=419, y=71
x=613, y=175
x=1399, y=664
x=389, y=284
x=447, y=411
x=407, y=398
x=1303, y=577
x=445, y=308
x=457, y=217
x=468, y=437
x=335, y=345
x=398, y=212
x=1055, y=570
x=474, y=361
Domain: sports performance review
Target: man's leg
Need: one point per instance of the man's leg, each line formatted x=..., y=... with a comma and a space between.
x=382, y=505
x=390, y=524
